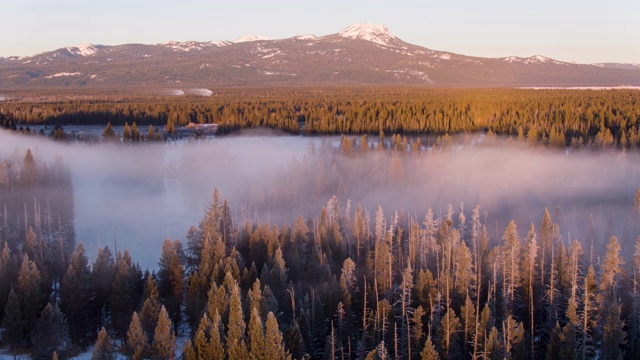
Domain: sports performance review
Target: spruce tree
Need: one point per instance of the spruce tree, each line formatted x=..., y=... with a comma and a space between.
x=76, y=297
x=274, y=345
x=256, y=336
x=103, y=273
x=613, y=335
x=429, y=351
x=164, y=340
x=28, y=289
x=203, y=339
x=171, y=280
x=236, y=346
x=188, y=351
x=136, y=346
x=13, y=324
x=104, y=349
x=50, y=334
x=215, y=338
x=150, y=308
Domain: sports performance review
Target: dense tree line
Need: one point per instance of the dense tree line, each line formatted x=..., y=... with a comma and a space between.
x=347, y=283
x=556, y=117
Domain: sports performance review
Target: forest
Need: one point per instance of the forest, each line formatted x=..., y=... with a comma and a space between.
x=345, y=282
x=557, y=118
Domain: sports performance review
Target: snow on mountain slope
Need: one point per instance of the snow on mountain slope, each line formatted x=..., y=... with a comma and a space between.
x=376, y=33
x=249, y=37
x=86, y=49
x=193, y=45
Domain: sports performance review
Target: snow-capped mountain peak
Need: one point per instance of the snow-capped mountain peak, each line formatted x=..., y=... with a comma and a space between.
x=376, y=33
x=250, y=37
x=85, y=49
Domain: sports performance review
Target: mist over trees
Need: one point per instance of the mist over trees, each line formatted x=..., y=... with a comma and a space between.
x=345, y=281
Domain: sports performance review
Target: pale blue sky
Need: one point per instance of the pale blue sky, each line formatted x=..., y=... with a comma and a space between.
x=583, y=31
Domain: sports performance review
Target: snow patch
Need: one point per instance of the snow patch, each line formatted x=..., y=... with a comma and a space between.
x=444, y=56
x=3, y=98
x=249, y=38
x=175, y=92
x=85, y=49
x=60, y=74
x=193, y=45
x=305, y=37
x=375, y=33
x=535, y=59
x=198, y=92
x=93, y=76
x=272, y=55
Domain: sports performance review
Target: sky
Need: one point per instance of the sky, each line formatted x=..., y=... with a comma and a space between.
x=583, y=31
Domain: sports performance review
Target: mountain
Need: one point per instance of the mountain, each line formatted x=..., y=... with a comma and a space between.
x=359, y=54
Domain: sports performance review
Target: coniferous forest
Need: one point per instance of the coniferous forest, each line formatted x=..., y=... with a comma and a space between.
x=345, y=280
x=598, y=118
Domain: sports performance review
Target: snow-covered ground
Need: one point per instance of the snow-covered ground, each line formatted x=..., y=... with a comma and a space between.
x=60, y=74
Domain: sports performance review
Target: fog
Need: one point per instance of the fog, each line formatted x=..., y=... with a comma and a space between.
x=136, y=196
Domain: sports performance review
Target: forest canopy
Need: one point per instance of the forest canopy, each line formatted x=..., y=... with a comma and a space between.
x=603, y=118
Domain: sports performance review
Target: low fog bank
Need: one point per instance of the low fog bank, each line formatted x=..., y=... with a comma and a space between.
x=135, y=196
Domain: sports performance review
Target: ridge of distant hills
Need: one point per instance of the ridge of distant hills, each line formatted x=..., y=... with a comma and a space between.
x=359, y=54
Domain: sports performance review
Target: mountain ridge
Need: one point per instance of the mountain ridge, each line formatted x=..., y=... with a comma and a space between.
x=359, y=54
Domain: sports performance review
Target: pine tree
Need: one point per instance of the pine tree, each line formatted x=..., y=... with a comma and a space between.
x=126, y=133
x=50, y=334
x=274, y=345
x=136, y=345
x=108, y=134
x=126, y=292
x=13, y=324
x=429, y=351
x=164, y=340
x=28, y=289
x=170, y=279
x=28, y=175
x=236, y=346
x=104, y=349
x=188, y=351
x=256, y=336
x=215, y=338
x=448, y=334
x=510, y=263
x=150, y=309
x=613, y=335
x=202, y=341
x=76, y=297
x=102, y=274
x=135, y=133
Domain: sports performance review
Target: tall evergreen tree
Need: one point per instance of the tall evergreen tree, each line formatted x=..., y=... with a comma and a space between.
x=136, y=346
x=50, y=334
x=28, y=289
x=274, y=345
x=236, y=346
x=13, y=324
x=150, y=308
x=102, y=275
x=104, y=349
x=171, y=280
x=77, y=298
x=256, y=336
x=164, y=340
